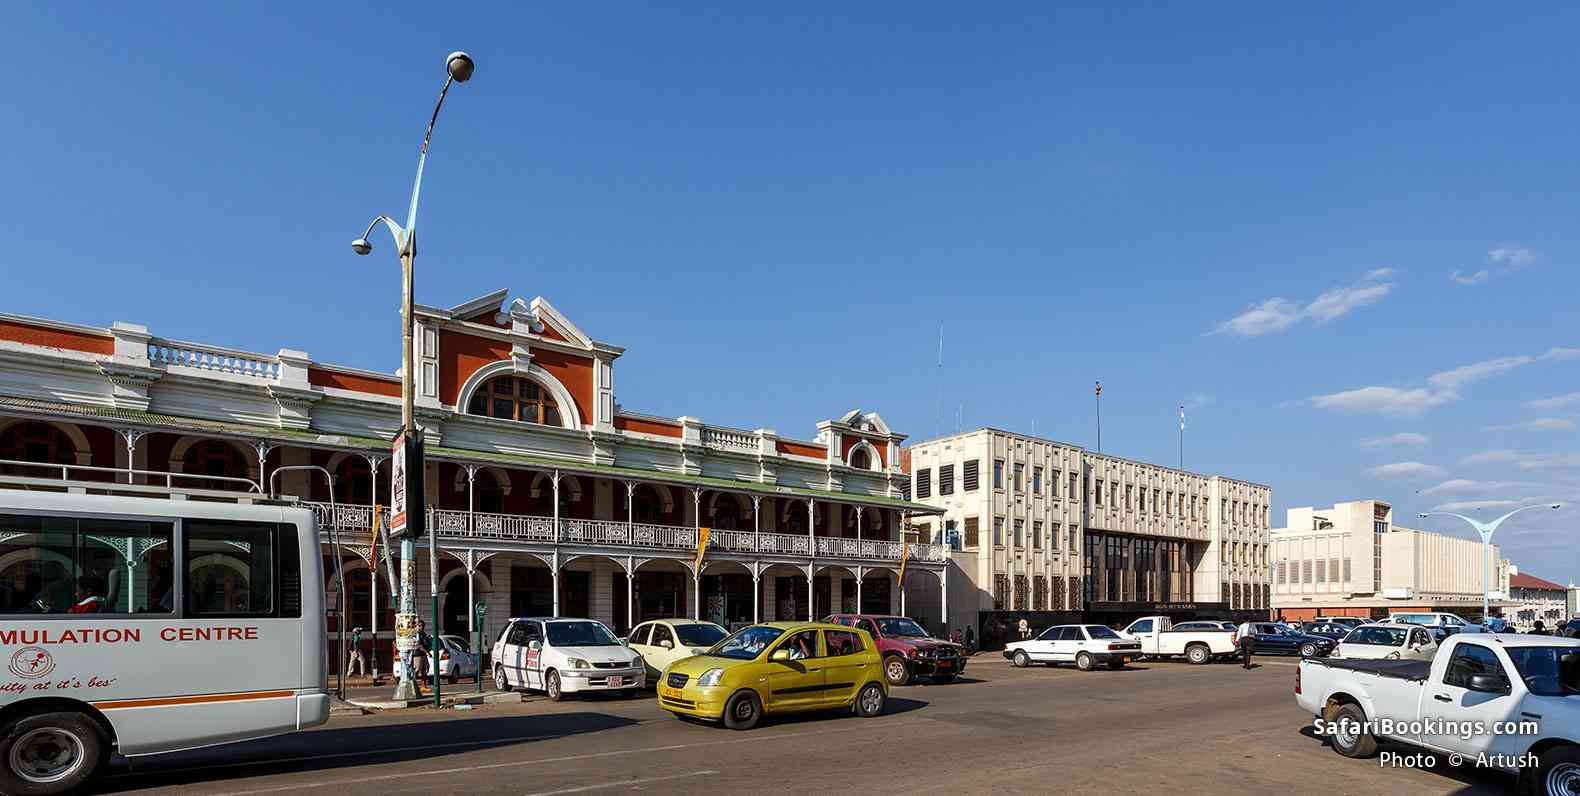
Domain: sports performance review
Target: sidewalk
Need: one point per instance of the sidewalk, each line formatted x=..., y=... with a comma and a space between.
x=362, y=693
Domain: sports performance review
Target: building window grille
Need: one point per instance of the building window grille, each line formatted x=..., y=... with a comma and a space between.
x=946, y=479
x=924, y=482
x=969, y=475
x=515, y=398
x=972, y=532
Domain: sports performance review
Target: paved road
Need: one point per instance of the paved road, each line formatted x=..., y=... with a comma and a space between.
x=1154, y=726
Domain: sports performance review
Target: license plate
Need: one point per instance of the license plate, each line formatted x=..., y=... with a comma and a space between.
x=946, y=665
x=615, y=681
x=673, y=693
x=1124, y=660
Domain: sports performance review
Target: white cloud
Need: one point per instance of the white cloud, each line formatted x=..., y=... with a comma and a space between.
x=1555, y=402
x=1488, y=457
x=1442, y=387
x=1472, y=505
x=1503, y=259
x=1401, y=438
x=1539, y=424
x=1405, y=470
x=1512, y=256
x=1459, y=486
x=1279, y=314
x=1525, y=461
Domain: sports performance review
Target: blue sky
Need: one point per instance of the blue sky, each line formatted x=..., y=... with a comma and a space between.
x=1322, y=227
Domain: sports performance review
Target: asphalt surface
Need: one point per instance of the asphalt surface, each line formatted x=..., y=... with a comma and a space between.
x=1192, y=729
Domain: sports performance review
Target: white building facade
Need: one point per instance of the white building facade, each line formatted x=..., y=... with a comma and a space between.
x=1351, y=560
x=1041, y=525
x=1532, y=599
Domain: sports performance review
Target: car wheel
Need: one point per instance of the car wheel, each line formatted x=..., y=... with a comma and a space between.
x=50, y=753
x=1021, y=659
x=896, y=670
x=943, y=678
x=501, y=682
x=1308, y=651
x=1349, y=735
x=743, y=711
x=455, y=677
x=1557, y=773
x=869, y=702
x=551, y=686
x=1084, y=662
x=1198, y=654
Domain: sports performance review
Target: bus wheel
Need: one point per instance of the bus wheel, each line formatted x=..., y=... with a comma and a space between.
x=50, y=753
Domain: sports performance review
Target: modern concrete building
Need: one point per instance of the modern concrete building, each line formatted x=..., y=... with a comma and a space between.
x=1351, y=560
x=1041, y=525
x=546, y=496
x=1532, y=598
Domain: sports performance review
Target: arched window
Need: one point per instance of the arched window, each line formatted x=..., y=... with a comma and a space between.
x=860, y=459
x=213, y=457
x=35, y=442
x=727, y=513
x=515, y=398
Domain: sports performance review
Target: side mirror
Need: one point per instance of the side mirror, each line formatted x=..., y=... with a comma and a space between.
x=534, y=645
x=1488, y=683
x=667, y=644
x=625, y=642
x=781, y=655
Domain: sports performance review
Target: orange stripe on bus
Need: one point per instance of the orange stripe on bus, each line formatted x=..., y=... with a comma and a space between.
x=192, y=700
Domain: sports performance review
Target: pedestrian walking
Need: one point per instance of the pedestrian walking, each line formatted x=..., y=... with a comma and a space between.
x=356, y=661
x=1247, y=643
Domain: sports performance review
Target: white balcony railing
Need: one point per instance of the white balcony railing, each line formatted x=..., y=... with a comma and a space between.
x=451, y=524
x=215, y=358
x=728, y=439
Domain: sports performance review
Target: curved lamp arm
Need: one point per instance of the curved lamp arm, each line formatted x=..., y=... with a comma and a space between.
x=394, y=228
x=1487, y=528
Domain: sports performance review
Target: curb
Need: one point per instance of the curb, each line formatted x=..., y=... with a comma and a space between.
x=491, y=698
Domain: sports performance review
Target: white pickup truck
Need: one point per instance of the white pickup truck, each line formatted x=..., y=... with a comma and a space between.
x=1498, y=701
x=1159, y=639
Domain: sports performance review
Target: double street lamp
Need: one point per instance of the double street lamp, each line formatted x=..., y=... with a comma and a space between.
x=1486, y=529
x=458, y=66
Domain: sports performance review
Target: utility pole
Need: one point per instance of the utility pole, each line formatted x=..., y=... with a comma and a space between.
x=1182, y=436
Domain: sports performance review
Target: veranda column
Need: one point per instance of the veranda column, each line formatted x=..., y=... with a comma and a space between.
x=630, y=511
x=555, y=568
x=131, y=435
x=263, y=449
x=696, y=575
x=810, y=607
x=757, y=521
x=374, y=461
x=696, y=593
x=757, y=592
x=861, y=575
x=556, y=481
x=630, y=590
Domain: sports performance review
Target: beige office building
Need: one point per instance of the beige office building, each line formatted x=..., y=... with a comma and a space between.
x=1041, y=525
x=1351, y=560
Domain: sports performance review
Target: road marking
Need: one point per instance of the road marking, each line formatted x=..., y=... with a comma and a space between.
x=621, y=783
x=865, y=726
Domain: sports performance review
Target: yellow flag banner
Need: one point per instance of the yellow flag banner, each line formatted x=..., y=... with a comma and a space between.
x=702, y=549
x=905, y=553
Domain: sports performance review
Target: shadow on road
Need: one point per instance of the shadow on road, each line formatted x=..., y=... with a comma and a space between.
x=1473, y=780
x=346, y=747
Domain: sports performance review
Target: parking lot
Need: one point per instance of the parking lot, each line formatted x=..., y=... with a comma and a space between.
x=1213, y=728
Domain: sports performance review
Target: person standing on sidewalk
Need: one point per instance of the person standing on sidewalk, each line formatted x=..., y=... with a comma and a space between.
x=355, y=660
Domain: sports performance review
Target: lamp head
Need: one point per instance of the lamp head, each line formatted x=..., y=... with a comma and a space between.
x=361, y=246
x=460, y=66
x=1422, y=515
x=1558, y=505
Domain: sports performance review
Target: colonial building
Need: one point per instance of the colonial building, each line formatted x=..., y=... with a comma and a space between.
x=1532, y=598
x=1041, y=525
x=546, y=496
x=1351, y=560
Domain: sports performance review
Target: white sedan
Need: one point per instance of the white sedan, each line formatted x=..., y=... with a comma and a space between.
x=664, y=641
x=565, y=656
x=1388, y=642
x=456, y=659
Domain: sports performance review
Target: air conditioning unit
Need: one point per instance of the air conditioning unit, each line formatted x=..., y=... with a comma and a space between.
x=1398, y=594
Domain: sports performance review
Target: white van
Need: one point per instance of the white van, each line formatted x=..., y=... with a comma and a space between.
x=141, y=625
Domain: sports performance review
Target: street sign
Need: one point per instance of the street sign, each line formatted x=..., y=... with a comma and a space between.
x=406, y=487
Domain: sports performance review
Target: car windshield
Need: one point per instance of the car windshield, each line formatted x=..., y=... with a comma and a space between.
x=1381, y=636
x=699, y=635
x=457, y=643
x=1548, y=671
x=901, y=628
x=580, y=634
x=747, y=643
x=1098, y=631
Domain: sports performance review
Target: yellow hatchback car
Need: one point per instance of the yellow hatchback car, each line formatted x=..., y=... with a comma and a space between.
x=777, y=667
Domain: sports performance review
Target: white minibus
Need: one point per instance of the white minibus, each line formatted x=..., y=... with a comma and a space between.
x=138, y=625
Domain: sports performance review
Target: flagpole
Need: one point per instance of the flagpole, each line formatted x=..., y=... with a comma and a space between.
x=1099, y=417
x=1182, y=436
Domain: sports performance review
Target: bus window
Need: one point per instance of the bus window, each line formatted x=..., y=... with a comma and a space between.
x=233, y=568
x=70, y=565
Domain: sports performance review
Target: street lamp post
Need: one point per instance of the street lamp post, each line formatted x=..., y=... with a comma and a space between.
x=1486, y=529
x=459, y=67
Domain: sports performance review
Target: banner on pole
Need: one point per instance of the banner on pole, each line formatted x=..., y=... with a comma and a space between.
x=702, y=549
x=905, y=554
x=406, y=485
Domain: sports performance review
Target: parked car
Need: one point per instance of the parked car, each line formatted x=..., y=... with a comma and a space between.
x=777, y=667
x=456, y=659
x=1159, y=639
x=1351, y=622
x=1441, y=624
x=1475, y=678
x=1391, y=642
x=1086, y=646
x=1330, y=631
x=661, y=642
x=1275, y=639
x=564, y=656
x=1207, y=625
x=1570, y=629
x=907, y=649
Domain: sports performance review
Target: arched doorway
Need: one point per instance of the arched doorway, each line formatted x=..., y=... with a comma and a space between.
x=33, y=441
x=456, y=608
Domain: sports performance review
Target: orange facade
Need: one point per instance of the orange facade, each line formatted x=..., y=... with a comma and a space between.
x=645, y=426
x=29, y=334
x=320, y=377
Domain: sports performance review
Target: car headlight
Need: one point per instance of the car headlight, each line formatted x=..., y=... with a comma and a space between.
x=710, y=677
x=578, y=663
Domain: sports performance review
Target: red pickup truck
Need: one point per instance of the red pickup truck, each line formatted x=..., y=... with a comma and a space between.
x=907, y=649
